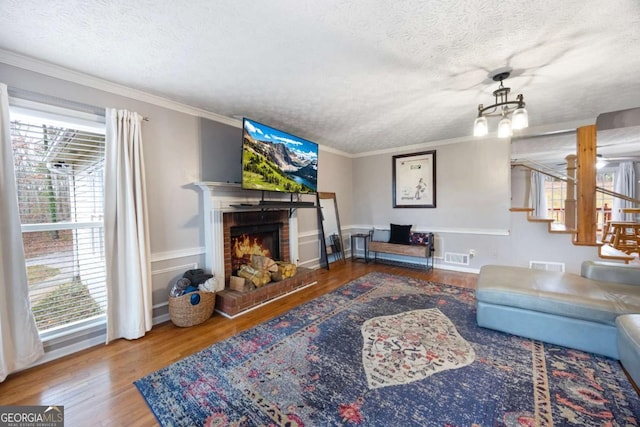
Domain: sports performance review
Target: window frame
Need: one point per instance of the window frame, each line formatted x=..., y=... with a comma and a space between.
x=77, y=119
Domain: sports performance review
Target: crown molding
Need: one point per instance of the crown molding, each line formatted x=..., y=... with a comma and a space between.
x=335, y=151
x=429, y=144
x=59, y=72
x=532, y=131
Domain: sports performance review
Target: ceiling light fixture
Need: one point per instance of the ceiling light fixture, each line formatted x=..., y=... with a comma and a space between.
x=513, y=113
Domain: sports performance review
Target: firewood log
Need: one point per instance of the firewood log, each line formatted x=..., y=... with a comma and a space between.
x=257, y=277
x=263, y=263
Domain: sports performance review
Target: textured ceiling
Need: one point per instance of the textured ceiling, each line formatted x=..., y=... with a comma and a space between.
x=357, y=76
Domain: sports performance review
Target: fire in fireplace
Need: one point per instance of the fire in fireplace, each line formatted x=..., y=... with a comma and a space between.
x=258, y=239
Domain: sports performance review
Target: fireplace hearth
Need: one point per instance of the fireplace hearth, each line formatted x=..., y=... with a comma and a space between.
x=261, y=233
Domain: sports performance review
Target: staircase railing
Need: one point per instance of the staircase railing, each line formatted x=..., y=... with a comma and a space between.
x=531, y=165
x=618, y=195
x=542, y=169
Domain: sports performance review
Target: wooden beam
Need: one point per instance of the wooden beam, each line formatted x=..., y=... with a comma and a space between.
x=586, y=186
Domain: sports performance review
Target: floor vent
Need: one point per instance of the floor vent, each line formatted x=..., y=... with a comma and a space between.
x=453, y=258
x=547, y=265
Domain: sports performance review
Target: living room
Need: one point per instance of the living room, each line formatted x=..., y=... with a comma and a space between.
x=187, y=141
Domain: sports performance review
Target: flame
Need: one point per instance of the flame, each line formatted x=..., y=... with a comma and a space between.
x=244, y=245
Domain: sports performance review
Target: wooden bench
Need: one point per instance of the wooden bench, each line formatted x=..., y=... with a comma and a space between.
x=424, y=249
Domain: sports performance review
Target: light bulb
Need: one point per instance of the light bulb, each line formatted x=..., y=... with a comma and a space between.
x=480, y=127
x=520, y=118
x=504, y=128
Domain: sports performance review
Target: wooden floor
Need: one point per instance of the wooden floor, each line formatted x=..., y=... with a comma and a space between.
x=96, y=387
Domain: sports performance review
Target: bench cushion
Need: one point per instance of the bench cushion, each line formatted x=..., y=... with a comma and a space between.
x=380, y=235
x=562, y=294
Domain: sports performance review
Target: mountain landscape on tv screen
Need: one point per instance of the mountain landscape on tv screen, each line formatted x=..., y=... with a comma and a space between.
x=273, y=166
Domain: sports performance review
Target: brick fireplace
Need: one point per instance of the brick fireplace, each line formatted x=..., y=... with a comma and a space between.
x=267, y=231
x=227, y=207
x=223, y=202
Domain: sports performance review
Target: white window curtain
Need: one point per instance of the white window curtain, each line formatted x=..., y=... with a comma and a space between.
x=20, y=343
x=129, y=305
x=538, y=195
x=625, y=184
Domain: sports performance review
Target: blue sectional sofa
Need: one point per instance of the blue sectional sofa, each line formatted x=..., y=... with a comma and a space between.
x=629, y=344
x=577, y=311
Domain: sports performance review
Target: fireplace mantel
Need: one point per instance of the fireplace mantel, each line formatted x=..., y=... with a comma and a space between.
x=218, y=198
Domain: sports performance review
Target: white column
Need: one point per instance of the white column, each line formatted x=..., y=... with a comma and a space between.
x=217, y=245
x=293, y=239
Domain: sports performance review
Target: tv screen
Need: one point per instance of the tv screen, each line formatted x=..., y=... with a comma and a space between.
x=273, y=160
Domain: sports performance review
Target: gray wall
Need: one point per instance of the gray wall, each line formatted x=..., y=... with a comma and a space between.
x=181, y=149
x=171, y=149
x=221, y=152
x=473, y=194
x=334, y=175
x=472, y=189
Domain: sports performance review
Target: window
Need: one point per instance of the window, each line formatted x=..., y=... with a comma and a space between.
x=604, y=202
x=556, y=191
x=59, y=166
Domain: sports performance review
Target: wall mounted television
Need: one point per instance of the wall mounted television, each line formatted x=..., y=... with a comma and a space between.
x=273, y=160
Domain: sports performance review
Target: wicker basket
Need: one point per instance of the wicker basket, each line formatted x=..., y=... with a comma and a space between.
x=183, y=313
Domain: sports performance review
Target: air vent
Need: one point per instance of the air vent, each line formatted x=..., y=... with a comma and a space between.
x=453, y=258
x=547, y=265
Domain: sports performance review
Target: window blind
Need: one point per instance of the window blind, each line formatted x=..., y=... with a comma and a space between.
x=59, y=176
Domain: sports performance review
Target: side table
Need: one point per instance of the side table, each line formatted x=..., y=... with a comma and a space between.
x=365, y=242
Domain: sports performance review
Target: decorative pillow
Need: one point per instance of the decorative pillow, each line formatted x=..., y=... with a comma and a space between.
x=419, y=238
x=380, y=235
x=400, y=234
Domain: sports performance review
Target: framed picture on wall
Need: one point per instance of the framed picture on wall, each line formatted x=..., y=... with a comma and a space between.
x=414, y=180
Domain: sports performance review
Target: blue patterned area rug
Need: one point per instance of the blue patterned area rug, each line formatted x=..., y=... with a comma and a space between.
x=389, y=351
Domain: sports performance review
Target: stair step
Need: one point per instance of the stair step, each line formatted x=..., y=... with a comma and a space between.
x=560, y=228
x=607, y=251
x=536, y=219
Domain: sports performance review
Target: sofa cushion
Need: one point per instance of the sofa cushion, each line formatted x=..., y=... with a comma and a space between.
x=563, y=294
x=611, y=272
x=400, y=234
x=629, y=344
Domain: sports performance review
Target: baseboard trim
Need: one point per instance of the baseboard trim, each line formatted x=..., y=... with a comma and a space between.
x=456, y=268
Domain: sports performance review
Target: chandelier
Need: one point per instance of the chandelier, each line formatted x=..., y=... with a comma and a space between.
x=513, y=113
